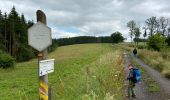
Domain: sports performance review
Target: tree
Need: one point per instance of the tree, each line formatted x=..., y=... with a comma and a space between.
x=168, y=31
x=145, y=34
x=152, y=25
x=1, y=32
x=14, y=20
x=117, y=37
x=1, y=22
x=168, y=40
x=30, y=23
x=131, y=25
x=163, y=25
x=157, y=42
x=13, y=35
x=137, y=34
x=5, y=31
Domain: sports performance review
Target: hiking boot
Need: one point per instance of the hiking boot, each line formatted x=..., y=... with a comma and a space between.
x=128, y=96
x=133, y=96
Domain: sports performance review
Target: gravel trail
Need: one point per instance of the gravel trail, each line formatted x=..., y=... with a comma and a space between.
x=141, y=90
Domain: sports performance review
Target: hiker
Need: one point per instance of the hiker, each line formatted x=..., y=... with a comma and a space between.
x=131, y=85
x=135, y=52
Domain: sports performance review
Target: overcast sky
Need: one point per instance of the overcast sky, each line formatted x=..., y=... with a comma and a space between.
x=69, y=18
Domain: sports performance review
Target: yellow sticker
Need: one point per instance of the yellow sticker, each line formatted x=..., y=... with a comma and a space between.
x=43, y=91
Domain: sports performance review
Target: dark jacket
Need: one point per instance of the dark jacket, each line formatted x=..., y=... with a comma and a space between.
x=131, y=75
x=135, y=51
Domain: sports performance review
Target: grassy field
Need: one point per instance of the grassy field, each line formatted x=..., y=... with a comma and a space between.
x=82, y=72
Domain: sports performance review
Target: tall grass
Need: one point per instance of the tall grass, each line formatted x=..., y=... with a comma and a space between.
x=85, y=71
x=108, y=74
x=156, y=60
x=92, y=77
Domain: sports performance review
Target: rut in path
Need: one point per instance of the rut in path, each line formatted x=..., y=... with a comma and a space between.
x=141, y=90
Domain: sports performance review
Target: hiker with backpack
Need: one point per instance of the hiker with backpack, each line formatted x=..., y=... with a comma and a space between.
x=133, y=78
x=135, y=51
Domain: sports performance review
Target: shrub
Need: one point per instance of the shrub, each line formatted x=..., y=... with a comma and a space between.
x=141, y=47
x=165, y=53
x=166, y=73
x=24, y=53
x=156, y=42
x=117, y=37
x=168, y=40
x=6, y=60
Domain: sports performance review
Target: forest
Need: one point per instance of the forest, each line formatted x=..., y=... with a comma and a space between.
x=13, y=37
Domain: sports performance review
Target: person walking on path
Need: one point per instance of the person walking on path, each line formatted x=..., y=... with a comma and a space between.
x=135, y=52
x=131, y=86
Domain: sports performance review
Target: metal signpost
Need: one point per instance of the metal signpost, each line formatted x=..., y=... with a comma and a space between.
x=39, y=37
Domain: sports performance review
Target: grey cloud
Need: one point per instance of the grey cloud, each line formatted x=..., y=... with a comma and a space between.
x=91, y=17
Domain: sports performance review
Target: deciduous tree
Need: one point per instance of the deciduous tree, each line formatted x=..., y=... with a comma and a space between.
x=131, y=25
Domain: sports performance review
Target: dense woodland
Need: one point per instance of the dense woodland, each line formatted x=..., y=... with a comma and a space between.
x=13, y=35
x=82, y=40
x=115, y=37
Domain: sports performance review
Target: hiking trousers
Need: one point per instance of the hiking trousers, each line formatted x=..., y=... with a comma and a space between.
x=131, y=87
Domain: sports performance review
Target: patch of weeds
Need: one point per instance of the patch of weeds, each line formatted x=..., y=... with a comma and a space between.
x=166, y=73
x=152, y=86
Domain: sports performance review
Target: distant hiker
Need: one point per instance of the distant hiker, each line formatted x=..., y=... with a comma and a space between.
x=133, y=77
x=135, y=51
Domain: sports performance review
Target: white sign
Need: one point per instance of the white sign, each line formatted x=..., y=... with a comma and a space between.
x=39, y=36
x=46, y=66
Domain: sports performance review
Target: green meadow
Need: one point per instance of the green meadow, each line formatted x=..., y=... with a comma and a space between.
x=82, y=72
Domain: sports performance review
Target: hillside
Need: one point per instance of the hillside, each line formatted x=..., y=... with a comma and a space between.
x=82, y=71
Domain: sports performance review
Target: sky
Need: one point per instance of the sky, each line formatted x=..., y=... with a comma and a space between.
x=69, y=18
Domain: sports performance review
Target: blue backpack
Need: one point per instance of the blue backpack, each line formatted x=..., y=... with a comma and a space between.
x=136, y=75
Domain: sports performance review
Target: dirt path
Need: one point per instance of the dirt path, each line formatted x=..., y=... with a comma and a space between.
x=141, y=90
x=163, y=82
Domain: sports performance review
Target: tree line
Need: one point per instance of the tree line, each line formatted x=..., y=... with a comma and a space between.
x=13, y=35
x=82, y=40
x=115, y=37
x=153, y=28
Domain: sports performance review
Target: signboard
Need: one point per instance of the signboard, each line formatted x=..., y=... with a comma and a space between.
x=39, y=36
x=46, y=66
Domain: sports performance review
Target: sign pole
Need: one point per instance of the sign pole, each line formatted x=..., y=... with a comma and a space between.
x=43, y=80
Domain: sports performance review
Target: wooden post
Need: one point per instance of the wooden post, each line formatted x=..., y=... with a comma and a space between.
x=43, y=80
